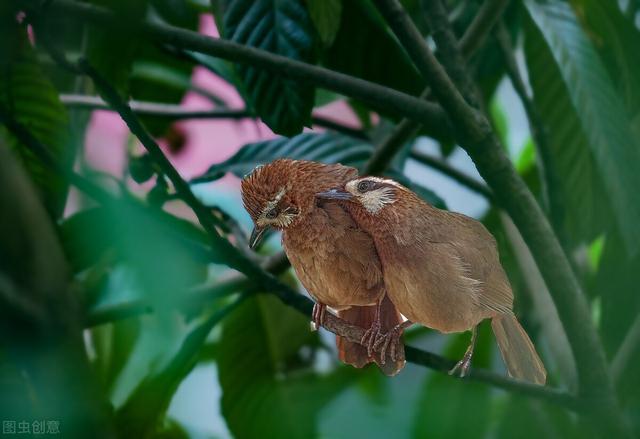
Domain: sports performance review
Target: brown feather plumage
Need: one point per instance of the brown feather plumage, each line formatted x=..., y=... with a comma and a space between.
x=441, y=269
x=333, y=258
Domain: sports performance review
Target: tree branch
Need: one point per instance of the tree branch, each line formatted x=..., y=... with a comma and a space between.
x=275, y=265
x=380, y=98
x=177, y=112
x=455, y=174
x=495, y=165
x=513, y=194
x=480, y=27
x=477, y=32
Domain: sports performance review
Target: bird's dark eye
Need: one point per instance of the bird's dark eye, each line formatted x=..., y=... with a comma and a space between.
x=271, y=214
x=364, y=186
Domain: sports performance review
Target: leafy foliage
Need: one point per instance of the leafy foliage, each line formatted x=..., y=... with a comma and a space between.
x=284, y=28
x=326, y=148
x=27, y=95
x=112, y=51
x=145, y=299
x=271, y=382
x=365, y=48
x=608, y=152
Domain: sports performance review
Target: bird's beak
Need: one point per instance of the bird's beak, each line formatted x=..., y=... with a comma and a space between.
x=256, y=236
x=335, y=194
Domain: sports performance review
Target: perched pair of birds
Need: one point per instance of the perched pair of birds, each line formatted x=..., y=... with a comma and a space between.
x=375, y=252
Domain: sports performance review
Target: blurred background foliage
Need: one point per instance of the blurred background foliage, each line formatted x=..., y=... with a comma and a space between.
x=121, y=318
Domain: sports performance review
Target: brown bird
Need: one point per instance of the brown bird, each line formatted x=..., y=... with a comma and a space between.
x=441, y=270
x=333, y=258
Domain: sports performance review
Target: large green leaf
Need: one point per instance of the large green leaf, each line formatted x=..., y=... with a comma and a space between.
x=141, y=414
x=617, y=40
x=111, y=50
x=269, y=388
x=589, y=127
x=444, y=399
x=284, y=28
x=365, y=48
x=27, y=95
x=325, y=148
x=157, y=76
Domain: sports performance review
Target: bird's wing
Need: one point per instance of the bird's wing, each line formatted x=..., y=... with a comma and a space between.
x=336, y=260
x=465, y=250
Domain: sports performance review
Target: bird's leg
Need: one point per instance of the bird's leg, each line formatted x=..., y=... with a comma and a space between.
x=370, y=336
x=391, y=340
x=464, y=364
x=317, y=315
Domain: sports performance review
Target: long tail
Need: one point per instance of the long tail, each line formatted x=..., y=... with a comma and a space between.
x=517, y=350
x=363, y=316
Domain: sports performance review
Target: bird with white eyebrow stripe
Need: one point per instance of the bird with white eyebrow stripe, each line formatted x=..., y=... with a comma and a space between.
x=333, y=258
x=441, y=269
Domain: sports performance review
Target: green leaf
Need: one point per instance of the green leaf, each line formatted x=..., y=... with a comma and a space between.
x=444, y=399
x=365, y=48
x=325, y=148
x=141, y=414
x=111, y=50
x=617, y=41
x=27, y=95
x=326, y=18
x=590, y=129
x=283, y=28
x=113, y=345
x=264, y=376
x=152, y=241
x=157, y=76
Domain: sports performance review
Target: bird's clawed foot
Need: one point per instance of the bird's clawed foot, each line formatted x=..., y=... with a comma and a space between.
x=462, y=366
x=370, y=337
x=392, y=341
x=317, y=315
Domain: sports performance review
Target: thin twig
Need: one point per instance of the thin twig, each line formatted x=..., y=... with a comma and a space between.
x=455, y=174
x=477, y=32
x=379, y=97
x=178, y=112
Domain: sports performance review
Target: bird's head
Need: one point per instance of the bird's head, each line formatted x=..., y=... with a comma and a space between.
x=369, y=196
x=281, y=194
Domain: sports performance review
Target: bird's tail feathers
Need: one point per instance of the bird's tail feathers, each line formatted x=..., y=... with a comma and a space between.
x=363, y=316
x=517, y=350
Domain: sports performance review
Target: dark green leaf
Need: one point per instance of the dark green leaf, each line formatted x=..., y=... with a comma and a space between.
x=283, y=28
x=111, y=49
x=113, y=345
x=365, y=48
x=590, y=129
x=131, y=229
x=617, y=41
x=445, y=399
x=156, y=75
x=326, y=16
x=325, y=148
x=141, y=414
x=27, y=95
x=265, y=378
